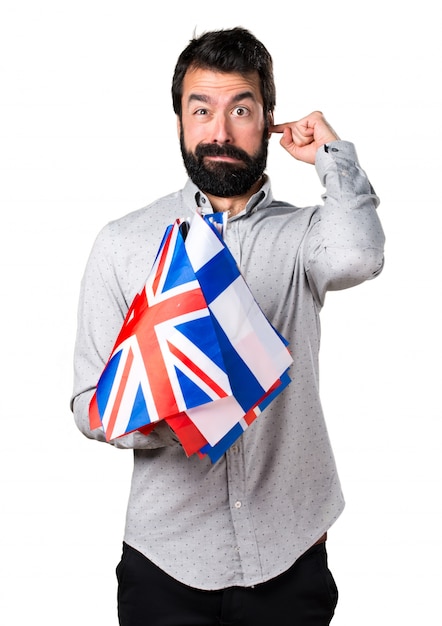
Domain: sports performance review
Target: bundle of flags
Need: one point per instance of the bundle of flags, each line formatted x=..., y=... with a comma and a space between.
x=195, y=349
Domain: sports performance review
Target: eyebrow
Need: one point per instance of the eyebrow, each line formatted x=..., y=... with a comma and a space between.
x=244, y=95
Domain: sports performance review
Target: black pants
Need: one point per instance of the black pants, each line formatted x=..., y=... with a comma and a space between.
x=305, y=595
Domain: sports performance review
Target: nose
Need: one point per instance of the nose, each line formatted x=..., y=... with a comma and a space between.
x=222, y=131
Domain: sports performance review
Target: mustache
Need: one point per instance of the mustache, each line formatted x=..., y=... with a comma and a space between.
x=217, y=149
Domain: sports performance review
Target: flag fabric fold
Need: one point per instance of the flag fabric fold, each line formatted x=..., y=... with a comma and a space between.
x=195, y=349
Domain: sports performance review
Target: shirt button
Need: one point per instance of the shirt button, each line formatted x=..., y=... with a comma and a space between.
x=203, y=200
x=237, y=504
x=234, y=448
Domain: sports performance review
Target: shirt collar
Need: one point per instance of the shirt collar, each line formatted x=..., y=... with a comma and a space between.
x=198, y=201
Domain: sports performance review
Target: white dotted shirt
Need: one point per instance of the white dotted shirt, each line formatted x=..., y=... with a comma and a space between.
x=248, y=517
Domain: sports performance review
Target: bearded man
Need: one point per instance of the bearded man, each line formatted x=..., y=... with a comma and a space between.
x=242, y=540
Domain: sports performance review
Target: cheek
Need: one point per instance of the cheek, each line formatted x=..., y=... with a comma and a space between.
x=252, y=141
x=193, y=135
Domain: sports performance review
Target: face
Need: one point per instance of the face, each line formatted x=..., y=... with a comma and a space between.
x=223, y=132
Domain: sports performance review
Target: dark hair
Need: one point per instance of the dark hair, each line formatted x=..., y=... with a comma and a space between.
x=234, y=50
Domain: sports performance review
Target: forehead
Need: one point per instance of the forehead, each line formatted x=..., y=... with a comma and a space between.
x=220, y=86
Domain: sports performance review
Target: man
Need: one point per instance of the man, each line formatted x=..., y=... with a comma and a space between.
x=240, y=541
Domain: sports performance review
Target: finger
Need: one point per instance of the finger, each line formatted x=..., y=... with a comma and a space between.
x=277, y=128
x=299, y=131
x=297, y=136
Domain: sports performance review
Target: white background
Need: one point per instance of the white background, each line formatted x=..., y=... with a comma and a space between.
x=87, y=134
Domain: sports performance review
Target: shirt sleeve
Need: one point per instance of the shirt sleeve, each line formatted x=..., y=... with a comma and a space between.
x=345, y=243
x=101, y=312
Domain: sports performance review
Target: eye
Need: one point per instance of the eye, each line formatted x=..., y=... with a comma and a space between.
x=241, y=111
x=200, y=112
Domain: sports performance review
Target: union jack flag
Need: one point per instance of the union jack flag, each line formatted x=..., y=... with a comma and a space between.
x=195, y=349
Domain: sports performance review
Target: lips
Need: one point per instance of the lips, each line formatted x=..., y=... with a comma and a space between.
x=222, y=158
x=223, y=153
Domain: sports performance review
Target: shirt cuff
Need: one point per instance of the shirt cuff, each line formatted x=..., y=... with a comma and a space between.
x=328, y=153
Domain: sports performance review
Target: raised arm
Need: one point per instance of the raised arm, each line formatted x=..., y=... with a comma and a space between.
x=345, y=243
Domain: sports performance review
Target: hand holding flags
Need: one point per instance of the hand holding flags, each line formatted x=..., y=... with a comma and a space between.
x=195, y=349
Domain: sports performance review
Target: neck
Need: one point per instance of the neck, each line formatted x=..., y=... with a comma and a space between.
x=234, y=204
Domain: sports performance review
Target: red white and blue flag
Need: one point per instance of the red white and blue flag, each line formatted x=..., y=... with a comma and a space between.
x=195, y=349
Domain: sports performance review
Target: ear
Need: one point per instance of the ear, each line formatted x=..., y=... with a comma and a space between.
x=270, y=120
x=178, y=125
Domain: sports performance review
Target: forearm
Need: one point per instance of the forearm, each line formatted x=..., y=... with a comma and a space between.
x=345, y=245
x=160, y=437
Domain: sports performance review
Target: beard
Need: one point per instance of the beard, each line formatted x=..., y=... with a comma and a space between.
x=224, y=180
